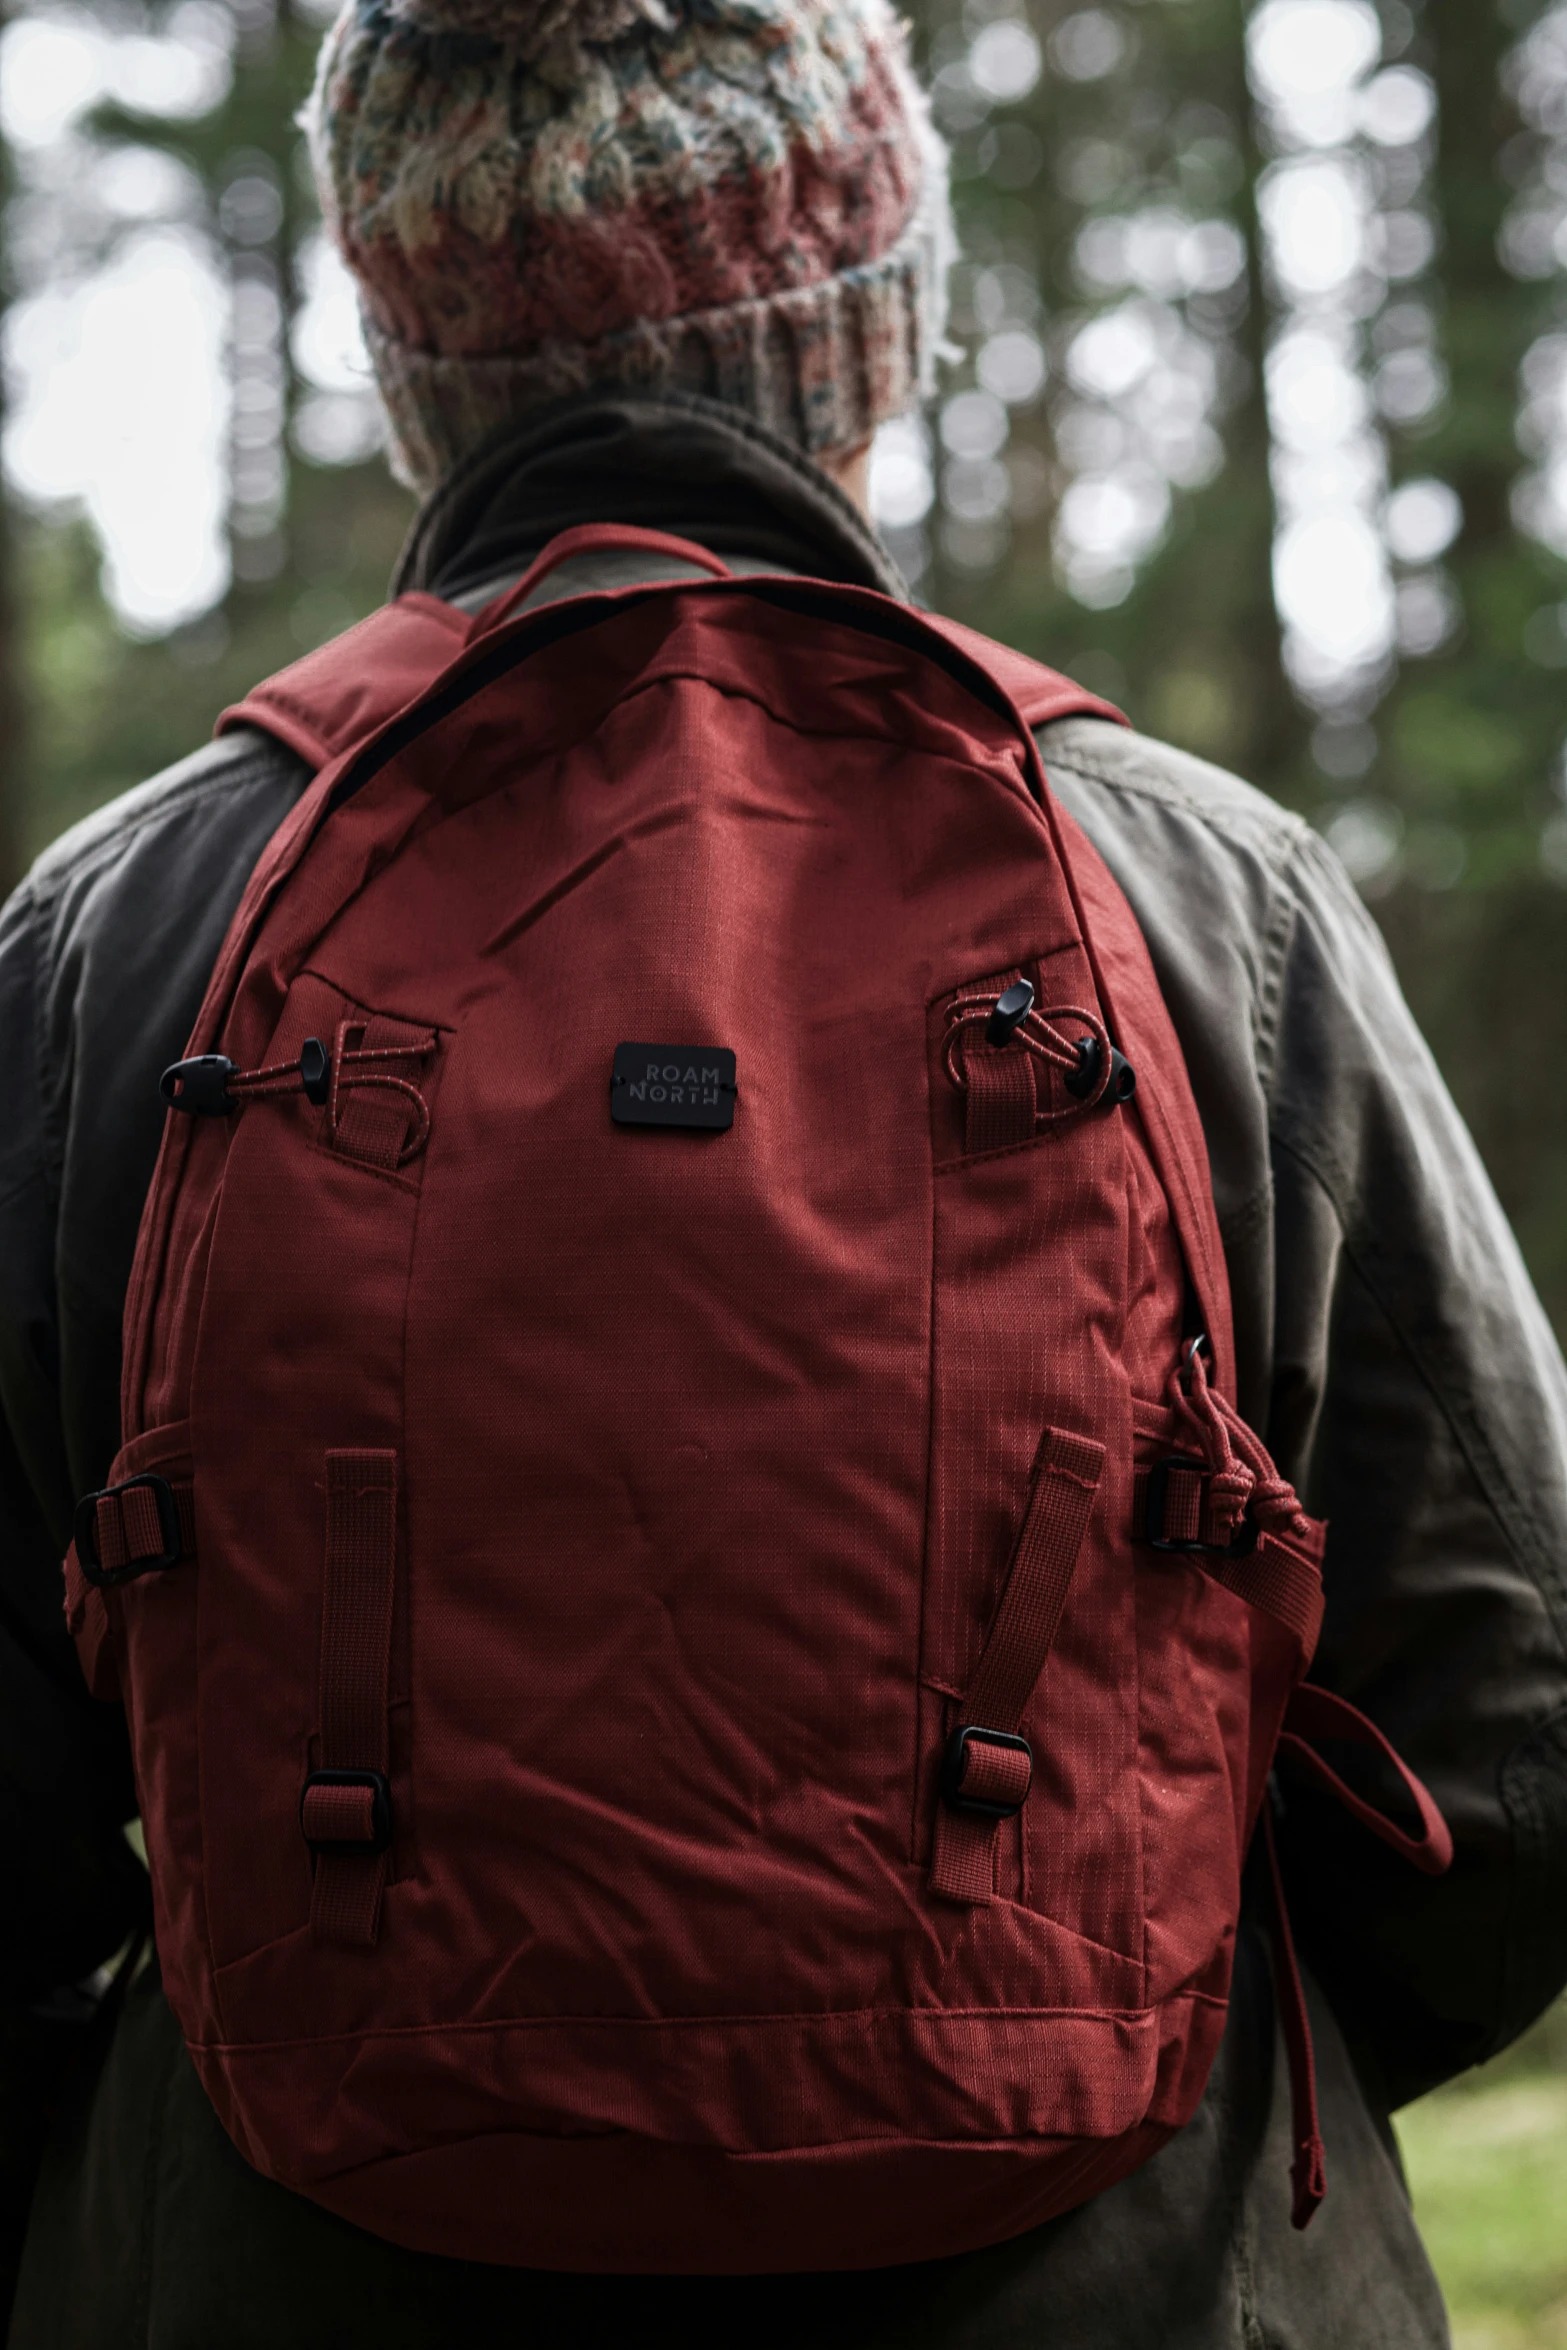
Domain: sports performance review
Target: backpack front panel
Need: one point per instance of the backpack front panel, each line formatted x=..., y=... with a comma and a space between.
x=706, y=1454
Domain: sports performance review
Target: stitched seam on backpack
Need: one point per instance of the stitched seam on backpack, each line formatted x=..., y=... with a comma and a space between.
x=793, y=2019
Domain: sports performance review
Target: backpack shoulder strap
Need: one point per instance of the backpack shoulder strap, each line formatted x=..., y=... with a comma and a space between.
x=345, y=690
x=1037, y=694
x=1128, y=988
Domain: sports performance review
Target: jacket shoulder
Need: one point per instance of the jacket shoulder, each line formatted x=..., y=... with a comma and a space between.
x=233, y=782
x=105, y=952
x=1148, y=778
x=1218, y=877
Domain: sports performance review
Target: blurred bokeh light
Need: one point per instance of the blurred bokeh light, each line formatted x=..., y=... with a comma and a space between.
x=143, y=376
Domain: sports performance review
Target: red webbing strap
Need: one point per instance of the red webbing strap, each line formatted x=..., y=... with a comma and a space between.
x=1187, y=1517
x=1000, y=1100
x=356, y=1648
x=963, y=1857
x=126, y=1527
x=1281, y=1580
x=1282, y=1572
x=1308, y=2171
x=1316, y=1713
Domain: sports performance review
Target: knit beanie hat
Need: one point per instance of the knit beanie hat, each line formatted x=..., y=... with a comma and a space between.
x=740, y=198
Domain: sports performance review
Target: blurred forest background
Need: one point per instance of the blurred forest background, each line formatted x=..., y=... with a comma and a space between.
x=1258, y=423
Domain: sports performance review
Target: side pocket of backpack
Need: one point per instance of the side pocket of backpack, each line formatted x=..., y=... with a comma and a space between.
x=315, y=1232
x=1029, y=1253
x=151, y=1619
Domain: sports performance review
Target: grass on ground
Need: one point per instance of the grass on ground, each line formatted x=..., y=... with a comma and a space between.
x=1487, y=2165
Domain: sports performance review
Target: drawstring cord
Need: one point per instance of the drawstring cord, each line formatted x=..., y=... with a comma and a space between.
x=1243, y=1482
x=1247, y=1495
x=211, y=1085
x=1038, y=1035
x=1243, y=1479
x=1308, y=2169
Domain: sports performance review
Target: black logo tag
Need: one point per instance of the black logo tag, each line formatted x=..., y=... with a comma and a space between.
x=673, y=1085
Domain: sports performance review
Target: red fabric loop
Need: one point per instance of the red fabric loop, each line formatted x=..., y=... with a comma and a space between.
x=1308, y=2169
x=338, y=1815
x=995, y=1774
x=963, y=1854
x=1185, y=1517
x=1317, y=1713
x=356, y=1643
x=589, y=538
x=1000, y=1104
x=127, y=1526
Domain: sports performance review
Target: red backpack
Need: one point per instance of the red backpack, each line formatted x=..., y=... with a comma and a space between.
x=702, y=1640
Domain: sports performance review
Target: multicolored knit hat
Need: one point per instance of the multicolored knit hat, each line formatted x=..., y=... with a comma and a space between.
x=742, y=198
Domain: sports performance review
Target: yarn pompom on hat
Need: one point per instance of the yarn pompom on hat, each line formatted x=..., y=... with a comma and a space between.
x=741, y=198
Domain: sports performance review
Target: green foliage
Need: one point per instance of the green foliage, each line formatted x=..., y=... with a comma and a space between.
x=107, y=711
x=1193, y=648
x=1487, y=2166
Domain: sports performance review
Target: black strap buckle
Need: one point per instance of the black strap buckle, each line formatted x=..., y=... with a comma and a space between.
x=954, y=1763
x=85, y=1533
x=1156, y=1500
x=380, y=1835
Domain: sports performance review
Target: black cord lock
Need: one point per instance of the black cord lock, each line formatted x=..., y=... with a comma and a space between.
x=1083, y=1079
x=1011, y=1009
x=315, y=1071
x=200, y=1087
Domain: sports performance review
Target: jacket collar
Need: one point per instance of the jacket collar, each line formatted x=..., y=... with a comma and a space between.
x=675, y=462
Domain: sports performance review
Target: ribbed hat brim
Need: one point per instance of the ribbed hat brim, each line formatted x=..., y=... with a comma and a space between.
x=821, y=365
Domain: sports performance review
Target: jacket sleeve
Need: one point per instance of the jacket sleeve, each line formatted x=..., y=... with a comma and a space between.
x=73, y=1885
x=1391, y=1350
x=104, y=954
x=1419, y=1398
x=73, y=1888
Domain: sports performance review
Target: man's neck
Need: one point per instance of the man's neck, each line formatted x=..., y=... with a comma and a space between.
x=851, y=470
x=672, y=463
